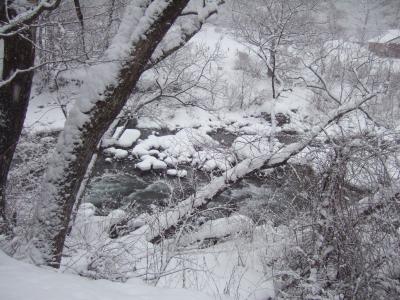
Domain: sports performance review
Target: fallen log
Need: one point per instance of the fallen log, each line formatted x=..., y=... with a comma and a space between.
x=163, y=224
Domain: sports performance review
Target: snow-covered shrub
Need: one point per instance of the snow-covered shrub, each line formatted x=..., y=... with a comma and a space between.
x=25, y=177
x=23, y=188
x=344, y=247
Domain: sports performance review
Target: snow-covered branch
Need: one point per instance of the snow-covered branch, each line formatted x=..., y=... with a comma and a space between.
x=180, y=34
x=157, y=225
x=27, y=17
x=103, y=94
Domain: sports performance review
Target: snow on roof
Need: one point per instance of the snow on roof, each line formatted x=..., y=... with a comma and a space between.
x=387, y=36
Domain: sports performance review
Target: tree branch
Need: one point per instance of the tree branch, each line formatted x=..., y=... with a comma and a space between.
x=160, y=225
x=26, y=18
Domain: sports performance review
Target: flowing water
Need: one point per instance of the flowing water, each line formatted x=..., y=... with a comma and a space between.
x=118, y=184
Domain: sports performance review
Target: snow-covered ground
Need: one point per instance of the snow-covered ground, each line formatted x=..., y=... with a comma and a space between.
x=45, y=113
x=20, y=280
x=235, y=268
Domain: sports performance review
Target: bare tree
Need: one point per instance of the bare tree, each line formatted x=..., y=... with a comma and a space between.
x=270, y=27
x=364, y=159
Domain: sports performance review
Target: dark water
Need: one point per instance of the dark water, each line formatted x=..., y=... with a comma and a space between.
x=118, y=184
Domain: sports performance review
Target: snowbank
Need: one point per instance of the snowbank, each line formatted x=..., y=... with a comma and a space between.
x=23, y=281
x=220, y=228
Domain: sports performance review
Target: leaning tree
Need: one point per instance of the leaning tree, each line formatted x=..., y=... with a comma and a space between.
x=149, y=32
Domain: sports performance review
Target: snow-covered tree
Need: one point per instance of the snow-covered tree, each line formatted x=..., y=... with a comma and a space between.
x=272, y=29
x=16, y=75
x=146, y=35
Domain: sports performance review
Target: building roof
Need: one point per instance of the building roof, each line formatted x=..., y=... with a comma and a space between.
x=388, y=36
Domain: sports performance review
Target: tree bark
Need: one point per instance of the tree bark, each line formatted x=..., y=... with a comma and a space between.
x=79, y=15
x=19, y=53
x=65, y=176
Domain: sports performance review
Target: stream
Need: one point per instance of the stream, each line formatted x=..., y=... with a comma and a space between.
x=118, y=184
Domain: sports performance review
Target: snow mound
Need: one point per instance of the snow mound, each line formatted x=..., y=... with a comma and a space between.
x=252, y=146
x=128, y=138
x=220, y=228
x=178, y=173
x=23, y=281
x=150, y=162
x=116, y=153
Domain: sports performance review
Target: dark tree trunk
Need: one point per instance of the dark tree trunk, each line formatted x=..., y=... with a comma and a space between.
x=19, y=53
x=58, y=201
x=79, y=15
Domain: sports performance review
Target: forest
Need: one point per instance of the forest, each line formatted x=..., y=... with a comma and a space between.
x=199, y=149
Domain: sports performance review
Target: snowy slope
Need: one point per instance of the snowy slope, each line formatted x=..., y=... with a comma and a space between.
x=23, y=281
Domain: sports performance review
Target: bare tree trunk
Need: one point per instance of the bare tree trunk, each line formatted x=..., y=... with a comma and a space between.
x=19, y=53
x=64, y=177
x=79, y=15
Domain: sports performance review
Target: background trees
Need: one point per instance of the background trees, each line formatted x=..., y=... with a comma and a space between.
x=272, y=30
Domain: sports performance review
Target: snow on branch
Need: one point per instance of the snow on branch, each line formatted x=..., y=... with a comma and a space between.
x=180, y=34
x=102, y=95
x=23, y=19
x=205, y=10
x=138, y=19
x=159, y=224
x=370, y=204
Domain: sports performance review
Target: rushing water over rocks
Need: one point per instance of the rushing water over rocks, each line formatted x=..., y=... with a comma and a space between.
x=280, y=193
x=118, y=184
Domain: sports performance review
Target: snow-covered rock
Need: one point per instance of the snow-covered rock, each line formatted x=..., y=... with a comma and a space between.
x=128, y=138
x=177, y=173
x=181, y=145
x=252, y=146
x=116, y=153
x=150, y=162
x=116, y=216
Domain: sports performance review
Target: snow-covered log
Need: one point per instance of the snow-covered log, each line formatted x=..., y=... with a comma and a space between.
x=164, y=223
